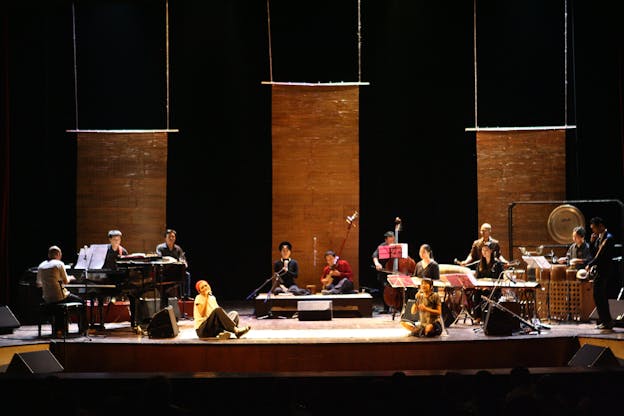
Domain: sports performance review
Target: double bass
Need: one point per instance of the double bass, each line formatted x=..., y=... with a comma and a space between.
x=393, y=296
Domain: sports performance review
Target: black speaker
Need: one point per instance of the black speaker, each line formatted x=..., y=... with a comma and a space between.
x=407, y=314
x=34, y=362
x=314, y=310
x=501, y=322
x=8, y=321
x=149, y=306
x=163, y=324
x=594, y=356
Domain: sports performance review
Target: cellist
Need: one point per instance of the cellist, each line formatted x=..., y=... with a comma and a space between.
x=380, y=266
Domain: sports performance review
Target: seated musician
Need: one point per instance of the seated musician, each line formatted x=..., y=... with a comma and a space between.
x=579, y=252
x=51, y=278
x=337, y=277
x=489, y=267
x=429, y=307
x=115, y=250
x=170, y=249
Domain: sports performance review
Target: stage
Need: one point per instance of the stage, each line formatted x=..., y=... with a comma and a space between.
x=287, y=344
x=290, y=365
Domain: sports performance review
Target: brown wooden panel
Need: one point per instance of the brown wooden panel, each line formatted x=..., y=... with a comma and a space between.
x=520, y=165
x=122, y=184
x=316, y=184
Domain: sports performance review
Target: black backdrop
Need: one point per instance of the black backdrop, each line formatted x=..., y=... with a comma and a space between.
x=416, y=55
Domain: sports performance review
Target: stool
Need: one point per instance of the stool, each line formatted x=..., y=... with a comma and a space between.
x=49, y=311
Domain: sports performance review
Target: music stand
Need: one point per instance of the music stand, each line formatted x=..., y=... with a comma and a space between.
x=462, y=281
x=539, y=263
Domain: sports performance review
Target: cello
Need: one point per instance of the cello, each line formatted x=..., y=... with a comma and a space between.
x=393, y=296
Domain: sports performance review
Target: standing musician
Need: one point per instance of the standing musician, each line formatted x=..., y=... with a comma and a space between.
x=429, y=307
x=603, y=249
x=475, y=249
x=337, y=277
x=380, y=265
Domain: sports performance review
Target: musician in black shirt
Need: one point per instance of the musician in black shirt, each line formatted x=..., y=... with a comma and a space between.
x=170, y=249
x=115, y=250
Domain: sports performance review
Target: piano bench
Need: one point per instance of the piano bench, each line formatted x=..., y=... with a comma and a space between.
x=48, y=313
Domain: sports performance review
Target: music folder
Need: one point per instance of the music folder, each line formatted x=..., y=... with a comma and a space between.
x=393, y=251
x=460, y=280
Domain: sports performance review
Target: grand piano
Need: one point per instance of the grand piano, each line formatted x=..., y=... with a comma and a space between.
x=135, y=277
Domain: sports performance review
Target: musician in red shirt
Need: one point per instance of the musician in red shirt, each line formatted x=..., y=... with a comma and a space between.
x=337, y=277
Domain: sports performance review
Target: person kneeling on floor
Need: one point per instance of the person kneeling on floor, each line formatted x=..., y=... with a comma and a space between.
x=429, y=307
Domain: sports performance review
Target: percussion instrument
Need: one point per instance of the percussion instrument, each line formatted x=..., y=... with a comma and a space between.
x=571, y=274
x=558, y=272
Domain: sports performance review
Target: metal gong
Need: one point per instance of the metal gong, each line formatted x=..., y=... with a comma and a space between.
x=561, y=222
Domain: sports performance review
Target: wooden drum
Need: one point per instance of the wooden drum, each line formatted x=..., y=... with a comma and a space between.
x=544, y=275
x=558, y=272
x=571, y=274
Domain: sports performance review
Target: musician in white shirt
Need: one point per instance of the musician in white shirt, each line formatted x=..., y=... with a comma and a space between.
x=51, y=278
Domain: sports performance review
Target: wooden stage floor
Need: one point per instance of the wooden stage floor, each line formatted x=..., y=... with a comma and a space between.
x=376, y=343
x=292, y=367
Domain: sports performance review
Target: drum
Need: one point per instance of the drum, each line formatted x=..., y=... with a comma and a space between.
x=544, y=275
x=519, y=275
x=558, y=272
x=571, y=274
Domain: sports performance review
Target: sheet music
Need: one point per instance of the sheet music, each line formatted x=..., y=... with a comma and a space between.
x=92, y=258
x=537, y=262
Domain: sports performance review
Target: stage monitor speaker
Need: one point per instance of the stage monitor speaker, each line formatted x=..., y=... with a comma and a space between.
x=34, y=362
x=314, y=310
x=8, y=321
x=616, y=308
x=500, y=322
x=407, y=314
x=163, y=324
x=594, y=356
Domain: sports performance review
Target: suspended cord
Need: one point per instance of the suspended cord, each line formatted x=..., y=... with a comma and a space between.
x=565, y=64
x=167, y=60
x=75, y=64
x=474, y=58
x=269, y=30
x=359, y=38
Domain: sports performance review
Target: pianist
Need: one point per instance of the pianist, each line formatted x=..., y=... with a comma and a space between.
x=170, y=249
x=115, y=249
x=51, y=278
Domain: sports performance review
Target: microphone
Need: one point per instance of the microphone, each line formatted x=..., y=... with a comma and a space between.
x=510, y=277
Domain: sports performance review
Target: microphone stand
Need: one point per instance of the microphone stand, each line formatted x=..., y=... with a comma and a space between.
x=276, y=278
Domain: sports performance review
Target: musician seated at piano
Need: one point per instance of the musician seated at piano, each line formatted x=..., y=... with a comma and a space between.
x=210, y=319
x=579, y=252
x=337, y=277
x=427, y=267
x=429, y=308
x=115, y=249
x=170, y=249
x=475, y=250
x=489, y=267
x=52, y=278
